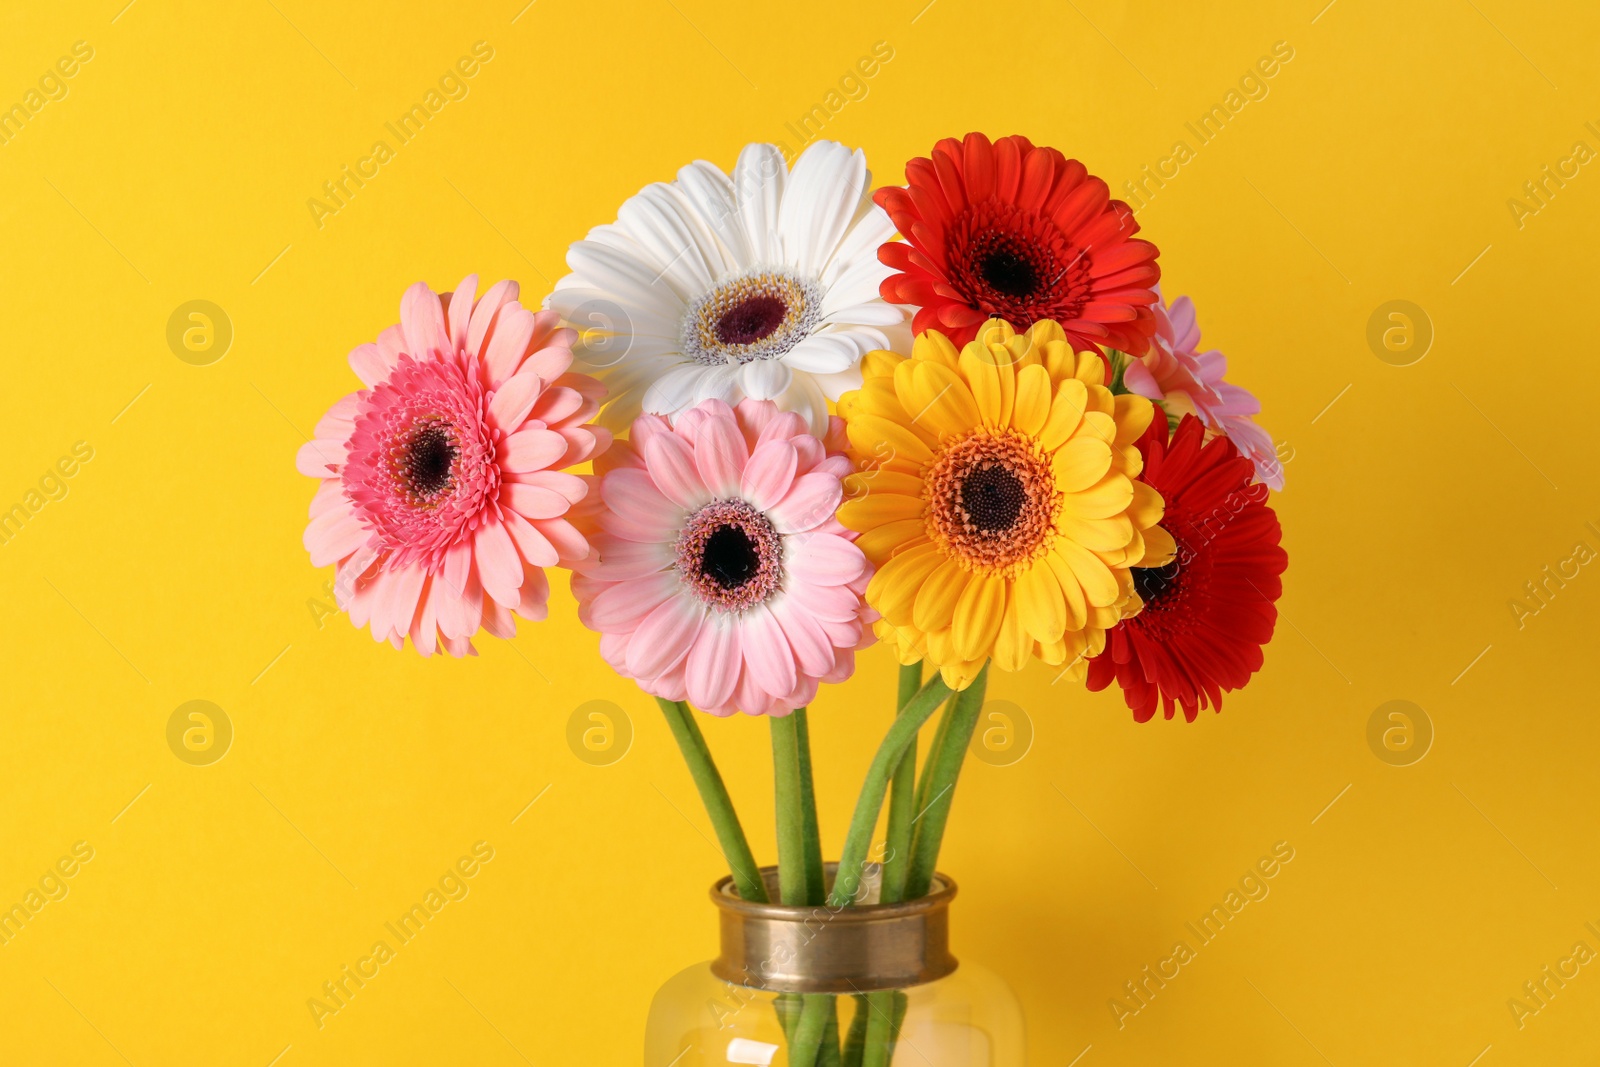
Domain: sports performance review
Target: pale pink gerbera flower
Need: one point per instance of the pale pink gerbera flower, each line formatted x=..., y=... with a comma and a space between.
x=719, y=573
x=440, y=500
x=1184, y=380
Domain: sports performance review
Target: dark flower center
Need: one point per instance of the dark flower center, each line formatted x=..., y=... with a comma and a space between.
x=1154, y=583
x=429, y=457
x=752, y=319
x=1009, y=273
x=730, y=557
x=993, y=497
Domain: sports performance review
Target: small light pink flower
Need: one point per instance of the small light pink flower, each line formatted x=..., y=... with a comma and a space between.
x=1185, y=380
x=441, y=501
x=719, y=573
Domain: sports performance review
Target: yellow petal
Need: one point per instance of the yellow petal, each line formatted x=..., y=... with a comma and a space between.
x=894, y=587
x=1080, y=463
x=978, y=615
x=1097, y=535
x=1039, y=600
x=1099, y=423
x=1099, y=584
x=879, y=363
x=934, y=347
x=881, y=480
x=1091, y=369
x=983, y=377
x=1102, y=400
x=878, y=509
x=939, y=401
x=1159, y=548
x=959, y=675
x=887, y=442
x=1047, y=331
x=877, y=396
x=936, y=600
x=1133, y=414
x=1012, y=645
x=1147, y=506
x=1033, y=400
x=1108, y=497
x=881, y=542
x=1066, y=411
x=1071, y=590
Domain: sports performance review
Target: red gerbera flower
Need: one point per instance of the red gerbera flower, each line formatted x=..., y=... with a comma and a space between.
x=1010, y=231
x=1206, y=614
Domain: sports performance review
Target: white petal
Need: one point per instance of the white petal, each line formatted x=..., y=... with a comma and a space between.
x=765, y=379
x=824, y=190
x=759, y=179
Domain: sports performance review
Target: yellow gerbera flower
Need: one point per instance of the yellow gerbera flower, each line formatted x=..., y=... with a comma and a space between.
x=998, y=499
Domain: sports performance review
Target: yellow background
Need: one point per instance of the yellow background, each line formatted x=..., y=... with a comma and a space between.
x=1377, y=168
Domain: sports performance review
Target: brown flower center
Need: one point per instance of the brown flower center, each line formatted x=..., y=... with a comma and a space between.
x=423, y=461
x=991, y=500
x=730, y=555
x=759, y=315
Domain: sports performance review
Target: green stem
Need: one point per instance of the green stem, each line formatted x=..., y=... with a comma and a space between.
x=791, y=824
x=814, y=1016
x=883, y=1027
x=859, y=838
x=902, y=801
x=939, y=781
x=714, y=794
x=856, y=1038
x=816, y=889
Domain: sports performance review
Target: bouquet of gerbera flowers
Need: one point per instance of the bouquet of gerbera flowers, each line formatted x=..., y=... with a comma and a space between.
x=958, y=417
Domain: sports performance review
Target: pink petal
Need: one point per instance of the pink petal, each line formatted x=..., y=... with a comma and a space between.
x=459, y=313
x=509, y=407
x=333, y=535
x=712, y=670
x=827, y=603
x=634, y=494
x=532, y=545
x=320, y=458
x=767, y=655
x=392, y=343
x=618, y=608
x=533, y=501
x=499, y=294
x=671, y=464
x=825, y=559
x=569, y=544
x=811, y=501
x=769, y=474
x=422, y=319
x=531, y=450
x=371, y=364
x=663, y=637
x=616, y=560
x=499, y=566
x=556, y=403
x=720, y=453
x=509, y=344
x=535, y=603
x=571, y=487
x=813, y=652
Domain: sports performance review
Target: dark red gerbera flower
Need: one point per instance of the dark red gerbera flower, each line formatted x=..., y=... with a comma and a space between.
x=1011, y=231
x=1207, y=613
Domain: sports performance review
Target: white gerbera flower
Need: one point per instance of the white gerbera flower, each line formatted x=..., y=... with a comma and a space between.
x=764, y=285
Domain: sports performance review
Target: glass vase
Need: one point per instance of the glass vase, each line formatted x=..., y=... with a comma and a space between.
x=876, y=981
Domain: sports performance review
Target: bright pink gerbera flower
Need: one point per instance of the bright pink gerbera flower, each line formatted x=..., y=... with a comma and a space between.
x=1186, y=381
x=440, y=500
x=719, y=573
